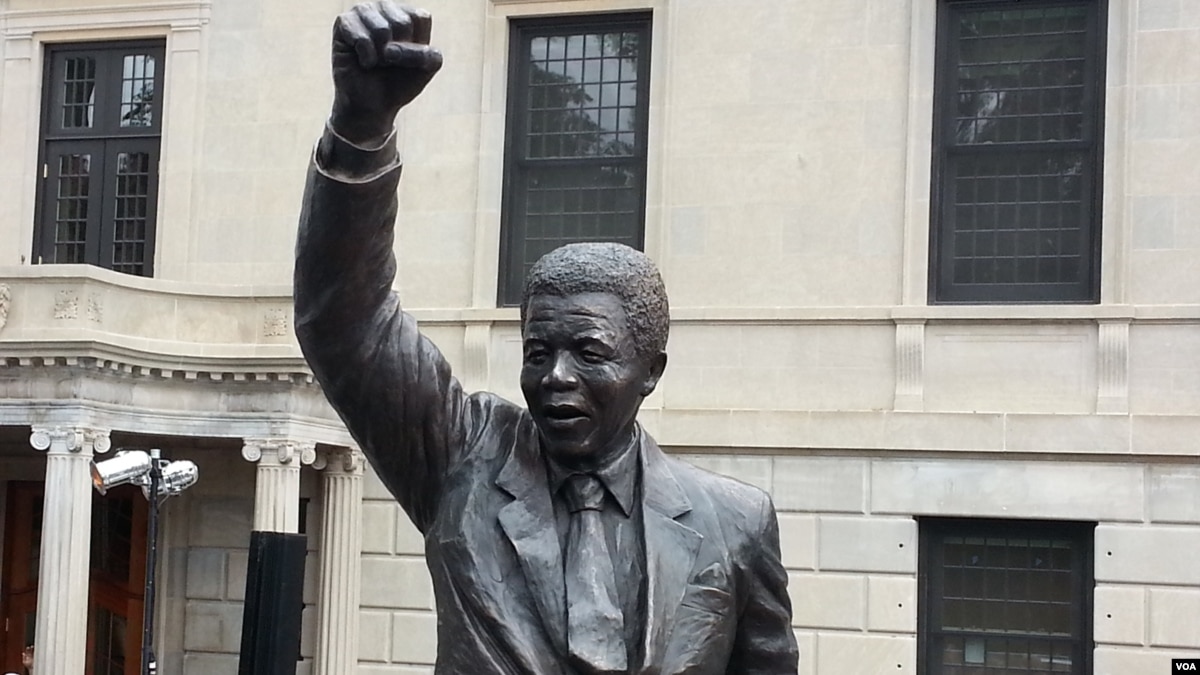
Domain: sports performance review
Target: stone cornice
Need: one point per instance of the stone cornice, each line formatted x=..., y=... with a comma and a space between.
x=156, y=367
x=194, y=421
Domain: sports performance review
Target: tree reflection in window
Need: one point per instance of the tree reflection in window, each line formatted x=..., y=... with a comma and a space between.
x=1018, y=162
x=575, y=165
x=137, y=90
x=582, y=97
x=1020, y=76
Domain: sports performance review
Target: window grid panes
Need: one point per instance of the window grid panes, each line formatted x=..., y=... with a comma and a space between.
x=112, y=535
x=131, y=211
x=1017, y=219
x=1006, y=598
x=71, y=208
x=582, y=95
x=108, y=657
x=1020, y=75
x=1019, y=90
x=79, y=92
x=575, y=167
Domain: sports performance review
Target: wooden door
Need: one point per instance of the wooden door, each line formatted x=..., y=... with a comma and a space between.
x=117, y=577
x=18, y=583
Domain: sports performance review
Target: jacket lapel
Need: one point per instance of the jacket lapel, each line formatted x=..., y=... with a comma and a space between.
x=671, y=548
x=529, y=523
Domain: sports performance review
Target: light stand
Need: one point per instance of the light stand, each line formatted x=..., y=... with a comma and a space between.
x=149, y=664
x=159, y=479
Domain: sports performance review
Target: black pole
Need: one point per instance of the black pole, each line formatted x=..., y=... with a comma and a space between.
x=149, y=667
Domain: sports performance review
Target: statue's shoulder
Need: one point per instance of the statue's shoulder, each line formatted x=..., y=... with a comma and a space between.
x=493, y=414
x=733, y=503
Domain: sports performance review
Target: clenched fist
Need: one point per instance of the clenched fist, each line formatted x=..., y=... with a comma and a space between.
x=381, y=61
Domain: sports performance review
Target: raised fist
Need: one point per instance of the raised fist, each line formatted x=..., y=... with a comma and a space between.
x=381, y=61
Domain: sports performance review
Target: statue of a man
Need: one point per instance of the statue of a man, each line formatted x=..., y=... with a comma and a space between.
x=560, y=538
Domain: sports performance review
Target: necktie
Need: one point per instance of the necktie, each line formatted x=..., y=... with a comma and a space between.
x=595, y=623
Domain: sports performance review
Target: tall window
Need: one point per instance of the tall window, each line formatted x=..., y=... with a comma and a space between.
x=575, y=161
x=101, y=123
x=1017, y=141
x=1005, y=597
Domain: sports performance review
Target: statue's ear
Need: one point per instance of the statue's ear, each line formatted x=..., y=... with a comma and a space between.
x=656, y=365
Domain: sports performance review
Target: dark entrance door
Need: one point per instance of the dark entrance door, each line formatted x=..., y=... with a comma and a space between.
x=117, y=576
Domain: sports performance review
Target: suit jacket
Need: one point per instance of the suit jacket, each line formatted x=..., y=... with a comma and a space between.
x=468, y=470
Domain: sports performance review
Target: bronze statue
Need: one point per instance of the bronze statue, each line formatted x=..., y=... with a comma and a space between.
x=561, y=539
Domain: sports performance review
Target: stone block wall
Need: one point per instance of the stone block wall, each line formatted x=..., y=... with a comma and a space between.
x=849, y=530
x=206, y=536
x=398, y=629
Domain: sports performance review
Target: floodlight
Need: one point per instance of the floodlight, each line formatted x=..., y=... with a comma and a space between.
x=127, y=466
x=178, y=476
x=159, y=479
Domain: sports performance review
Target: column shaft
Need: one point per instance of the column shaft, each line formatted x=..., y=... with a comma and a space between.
x=340, y=573
x=62, y=604
x=277, y=498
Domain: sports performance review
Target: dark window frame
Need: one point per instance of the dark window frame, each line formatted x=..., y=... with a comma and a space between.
x=930, y=577
x=516, y=163
x=105, y=139
x=941, y=286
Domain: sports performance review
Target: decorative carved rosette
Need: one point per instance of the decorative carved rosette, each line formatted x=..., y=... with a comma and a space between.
x=5, y=303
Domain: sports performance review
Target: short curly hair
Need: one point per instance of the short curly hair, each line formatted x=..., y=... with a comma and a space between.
x=601, y=267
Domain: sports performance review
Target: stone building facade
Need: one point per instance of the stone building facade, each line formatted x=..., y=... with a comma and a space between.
x=932, y=442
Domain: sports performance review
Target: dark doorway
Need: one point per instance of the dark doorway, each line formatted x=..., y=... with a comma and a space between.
x=117, y=577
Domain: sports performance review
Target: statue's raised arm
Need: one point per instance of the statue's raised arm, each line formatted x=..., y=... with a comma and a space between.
x=390, y=385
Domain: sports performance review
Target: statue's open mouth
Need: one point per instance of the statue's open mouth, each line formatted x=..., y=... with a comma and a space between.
x=563, y=412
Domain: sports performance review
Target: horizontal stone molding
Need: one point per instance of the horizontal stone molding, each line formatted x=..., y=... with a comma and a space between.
x=191, y=295
x=295, y=371
x=197, y=423
x=179, y=14
x=176, y=404
x=1083, y=435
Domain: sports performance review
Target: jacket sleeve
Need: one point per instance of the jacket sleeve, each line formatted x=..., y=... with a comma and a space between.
x=390, y=384
x=765, y=643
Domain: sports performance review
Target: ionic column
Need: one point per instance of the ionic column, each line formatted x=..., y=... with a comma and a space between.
x=62, y=603
x=277, y=485
x=341, y=546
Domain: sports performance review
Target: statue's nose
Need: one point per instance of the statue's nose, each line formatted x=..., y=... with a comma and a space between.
x=562, y=373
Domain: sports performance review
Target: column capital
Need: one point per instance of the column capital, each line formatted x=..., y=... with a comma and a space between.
x=340, y=460
x=281, y=451
x=70, y=439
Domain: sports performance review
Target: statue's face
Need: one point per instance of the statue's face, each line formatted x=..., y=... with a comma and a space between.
x=582, y=377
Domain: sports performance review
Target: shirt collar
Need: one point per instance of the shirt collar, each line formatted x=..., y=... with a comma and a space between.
x=619, y=474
